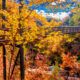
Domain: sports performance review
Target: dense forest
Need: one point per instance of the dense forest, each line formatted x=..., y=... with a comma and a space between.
x=33, y=50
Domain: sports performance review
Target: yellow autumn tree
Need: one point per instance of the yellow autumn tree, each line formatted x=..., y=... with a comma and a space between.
x=27, y=19
x=25, y=22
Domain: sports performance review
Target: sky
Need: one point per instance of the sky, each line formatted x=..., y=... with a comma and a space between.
x=58, y=13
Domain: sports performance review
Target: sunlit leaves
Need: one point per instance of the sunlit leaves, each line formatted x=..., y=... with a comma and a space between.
x=44, y=40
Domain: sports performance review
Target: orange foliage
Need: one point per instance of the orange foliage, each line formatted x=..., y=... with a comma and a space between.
x=38, y=75
x=70, y=62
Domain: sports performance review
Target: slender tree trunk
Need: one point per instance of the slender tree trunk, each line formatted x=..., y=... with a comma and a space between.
x=4, y=62
x=21, y=46
x=4, y=50
x=22, y=62
x=15, y=64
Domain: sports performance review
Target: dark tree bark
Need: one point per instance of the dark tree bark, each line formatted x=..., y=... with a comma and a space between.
x=22, y=62
x=4, y=62
x=21, y=46
x=4, y=50
x=15, y=64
